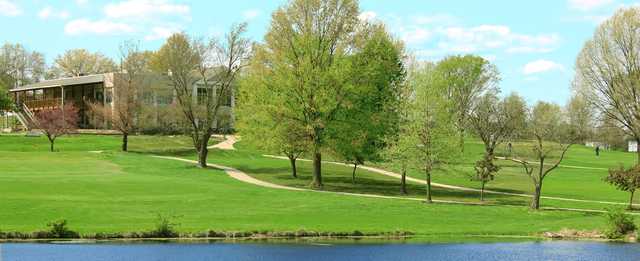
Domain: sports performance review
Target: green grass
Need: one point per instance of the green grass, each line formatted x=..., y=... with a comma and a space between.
x=119, y=192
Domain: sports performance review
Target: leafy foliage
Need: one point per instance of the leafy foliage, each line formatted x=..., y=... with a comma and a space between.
x=19, y=66
x=56, y=122
x=428, y=133
x=77, y=62
x=620, y=224
x=465, y=78
x=59, y=229
x=625, y=180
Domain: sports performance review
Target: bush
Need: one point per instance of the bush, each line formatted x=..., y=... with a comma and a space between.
x=165, y=228
x=59, y=229
x=620, y=224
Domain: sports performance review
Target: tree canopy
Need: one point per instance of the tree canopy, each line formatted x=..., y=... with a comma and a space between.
x=77, y=62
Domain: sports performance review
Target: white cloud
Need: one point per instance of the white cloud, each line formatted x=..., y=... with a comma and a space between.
x=494, y=37
x=145, y=9
x=82, y=2
x=159, y=32
x=367, y=15
x=49, y=12
x=9, y=8
x=99, y=27
x=250, y=14
x=416, y=36
x=588, y=5
x=540, y=66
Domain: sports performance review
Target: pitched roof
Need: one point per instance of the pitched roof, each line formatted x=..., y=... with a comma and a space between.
x=89, y=79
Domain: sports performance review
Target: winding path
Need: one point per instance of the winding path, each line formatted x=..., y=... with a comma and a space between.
x=420, y=181
x=241, y=176
x=230, y=140
x=226, y=144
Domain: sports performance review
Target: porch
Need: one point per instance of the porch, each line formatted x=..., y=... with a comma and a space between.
x=51, y=94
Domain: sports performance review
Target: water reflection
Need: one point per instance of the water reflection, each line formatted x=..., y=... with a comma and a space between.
x=557, y=250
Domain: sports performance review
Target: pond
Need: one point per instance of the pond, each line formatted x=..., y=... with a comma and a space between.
x=545, y=250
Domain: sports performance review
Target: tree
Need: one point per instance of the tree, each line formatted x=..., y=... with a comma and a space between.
x=486, y=170
x=129, y=85
x=608, y=70
x=466, y=78
x=625, y=180
x=202, y=74
x=307, y=69
x=360, y=130
x=430, y=130
x=263, y=129
x=516, y=107
x=56, y=122
x=5, y=102
x=581, y=117
x=78, y=62
x=611, y=134
x=552, y=137
x=494, y=121
x=19, y=66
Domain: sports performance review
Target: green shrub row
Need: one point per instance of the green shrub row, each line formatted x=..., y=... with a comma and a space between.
x=166, y=229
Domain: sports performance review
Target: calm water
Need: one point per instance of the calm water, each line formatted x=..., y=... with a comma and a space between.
x=563, y=251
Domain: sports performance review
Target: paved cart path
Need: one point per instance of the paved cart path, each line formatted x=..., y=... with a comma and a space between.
x=230, y=140
x=226, y=144
x=435, y=184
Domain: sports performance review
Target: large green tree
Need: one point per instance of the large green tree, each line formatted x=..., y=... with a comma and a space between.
x=258, y=120
x=372, y=111
x=428, y=135
x=307, y=66
x=465, y=79
x=608, y=70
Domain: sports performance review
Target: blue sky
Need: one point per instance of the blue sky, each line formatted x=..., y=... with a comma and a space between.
x=533, y=43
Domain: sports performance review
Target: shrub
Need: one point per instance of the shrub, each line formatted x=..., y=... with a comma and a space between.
x=165, y=228
x=620, y=224
x=59, y=229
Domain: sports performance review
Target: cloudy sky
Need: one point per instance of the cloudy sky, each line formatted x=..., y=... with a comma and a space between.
x=534, y=43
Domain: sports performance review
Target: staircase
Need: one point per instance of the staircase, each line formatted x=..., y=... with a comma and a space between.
x=25, y=116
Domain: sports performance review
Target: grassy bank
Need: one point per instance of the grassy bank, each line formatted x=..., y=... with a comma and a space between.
x=112, y=192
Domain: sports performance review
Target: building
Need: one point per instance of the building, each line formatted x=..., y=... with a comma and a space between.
x=100, y=89
x=633, y=146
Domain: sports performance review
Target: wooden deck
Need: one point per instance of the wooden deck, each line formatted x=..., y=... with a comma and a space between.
x=37, y=105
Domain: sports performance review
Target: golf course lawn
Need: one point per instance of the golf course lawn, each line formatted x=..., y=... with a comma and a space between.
x=114, y=191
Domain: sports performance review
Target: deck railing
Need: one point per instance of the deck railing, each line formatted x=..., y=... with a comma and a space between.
x=44, y=104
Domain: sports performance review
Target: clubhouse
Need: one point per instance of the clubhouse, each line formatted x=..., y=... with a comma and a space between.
x=100, y=89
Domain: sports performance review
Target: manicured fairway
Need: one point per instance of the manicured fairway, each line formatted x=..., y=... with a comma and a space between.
x=119, y=192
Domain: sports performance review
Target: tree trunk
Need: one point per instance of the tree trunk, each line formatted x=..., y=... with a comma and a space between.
x=125, y=142
x=353, y=173
x=294, y=170
x=51, y=143
x=403, y=181
x=535, y=202
x=631, y=200
x=317, y=169
x=638, y=150
x=203, y=151
x=482, y=190
x=462, y=141
x=428, y=173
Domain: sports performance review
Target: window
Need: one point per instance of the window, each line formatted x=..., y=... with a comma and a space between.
x=202, y=95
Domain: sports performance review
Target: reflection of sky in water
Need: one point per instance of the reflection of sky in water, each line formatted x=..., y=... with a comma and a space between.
x=558, y=250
